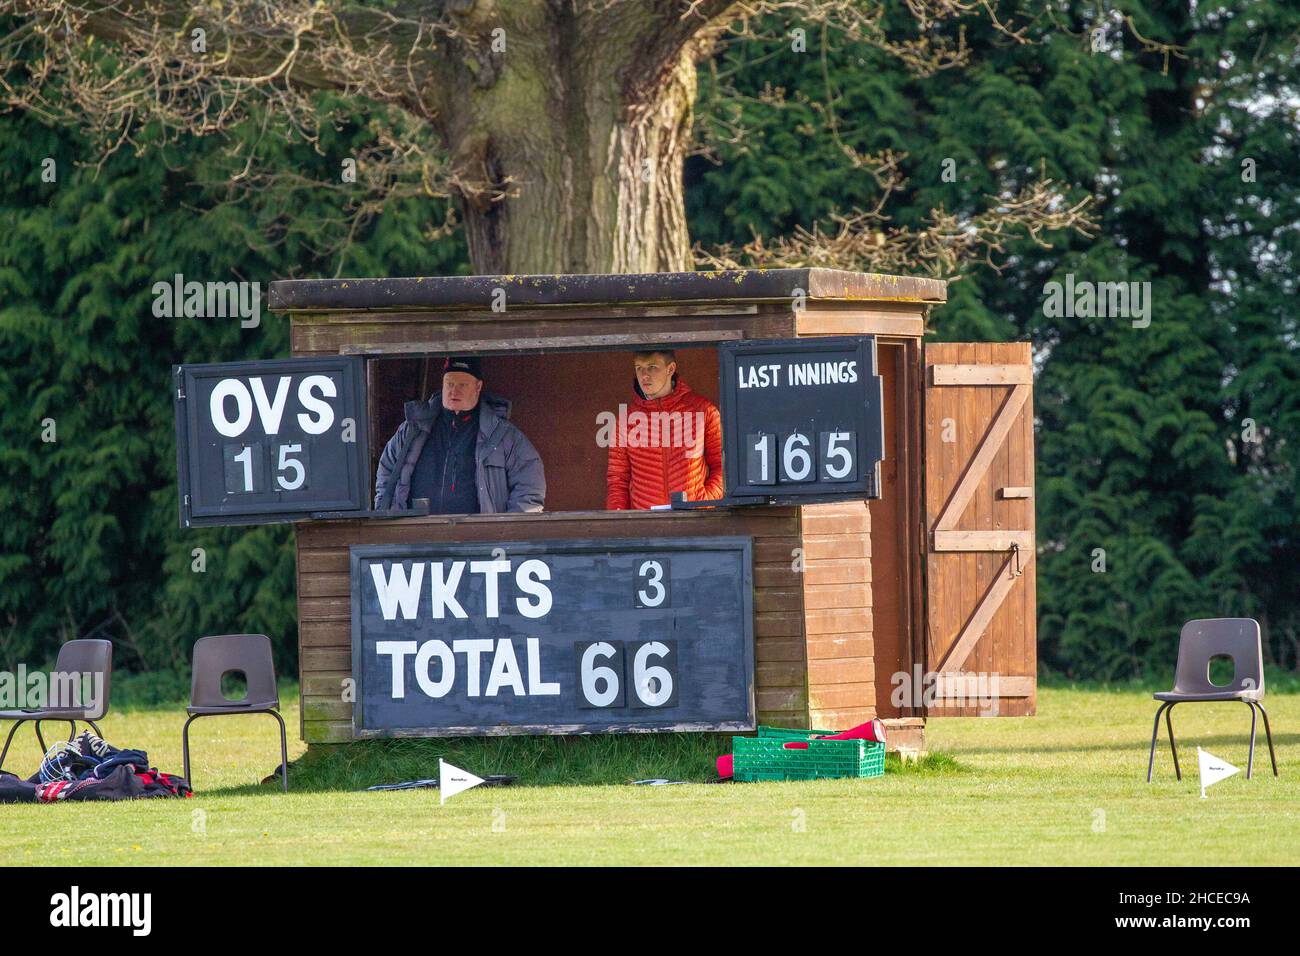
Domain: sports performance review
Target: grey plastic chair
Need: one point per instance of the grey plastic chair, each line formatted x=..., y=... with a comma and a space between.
x=85, y=656
x=214, y=658
x=1199, y=642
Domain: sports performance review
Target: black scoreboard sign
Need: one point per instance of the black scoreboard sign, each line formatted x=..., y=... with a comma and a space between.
x=553, y=637
x=802, y=419
x=270, y=441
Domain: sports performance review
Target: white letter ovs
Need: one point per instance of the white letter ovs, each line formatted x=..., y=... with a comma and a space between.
x=234, y=402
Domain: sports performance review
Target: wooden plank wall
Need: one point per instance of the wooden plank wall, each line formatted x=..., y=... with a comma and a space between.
x=324, y=602
x=837, y=610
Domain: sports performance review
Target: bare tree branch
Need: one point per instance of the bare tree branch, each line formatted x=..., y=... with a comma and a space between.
x=865, y=241
x=116, y=65
x=935, y=39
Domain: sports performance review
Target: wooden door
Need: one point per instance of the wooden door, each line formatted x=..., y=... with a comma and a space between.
x=980, y=641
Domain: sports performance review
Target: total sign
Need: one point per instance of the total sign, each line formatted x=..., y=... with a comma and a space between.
x=553, y=637
x=270, y=441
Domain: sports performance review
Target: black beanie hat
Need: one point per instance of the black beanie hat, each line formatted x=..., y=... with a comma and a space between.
x=463, y=363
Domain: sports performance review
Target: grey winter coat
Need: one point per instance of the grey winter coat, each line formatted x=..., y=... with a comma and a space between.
x=507, y=466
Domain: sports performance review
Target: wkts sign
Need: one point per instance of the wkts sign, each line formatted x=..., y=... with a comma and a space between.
x=802, y=419
x=270, y=441
x=553, y=637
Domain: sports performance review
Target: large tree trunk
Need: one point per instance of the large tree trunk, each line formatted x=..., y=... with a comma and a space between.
x=582, y=122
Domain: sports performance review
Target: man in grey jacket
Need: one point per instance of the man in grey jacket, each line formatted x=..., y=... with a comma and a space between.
x=461, y=452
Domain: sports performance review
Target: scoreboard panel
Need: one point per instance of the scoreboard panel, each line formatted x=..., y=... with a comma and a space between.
x=553, y=637
x=802, y=419
x=270, y=440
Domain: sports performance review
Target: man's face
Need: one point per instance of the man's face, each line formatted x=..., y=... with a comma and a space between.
x=654, y=373
x=460, y=391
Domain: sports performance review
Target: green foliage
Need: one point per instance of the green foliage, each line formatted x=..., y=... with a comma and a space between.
x=90, y=544
x=1142, y=433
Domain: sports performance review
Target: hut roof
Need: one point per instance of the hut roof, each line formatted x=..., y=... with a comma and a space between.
x=459, y=292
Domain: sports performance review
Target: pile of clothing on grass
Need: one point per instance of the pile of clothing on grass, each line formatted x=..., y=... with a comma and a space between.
x=90, y=768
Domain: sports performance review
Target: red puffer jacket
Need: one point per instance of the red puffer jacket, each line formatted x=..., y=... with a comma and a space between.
x=663, y=445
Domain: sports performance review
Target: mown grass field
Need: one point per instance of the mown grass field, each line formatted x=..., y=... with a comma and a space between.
x=1065, y=787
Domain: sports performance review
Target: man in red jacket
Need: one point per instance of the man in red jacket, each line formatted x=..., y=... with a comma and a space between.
x=670, y=440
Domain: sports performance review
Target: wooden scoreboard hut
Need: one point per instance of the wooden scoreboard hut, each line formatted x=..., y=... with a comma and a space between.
x=918, y=602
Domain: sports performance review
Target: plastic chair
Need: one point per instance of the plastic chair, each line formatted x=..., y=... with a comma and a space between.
x=1199, y=642
x=214, y=658
x=85, y=656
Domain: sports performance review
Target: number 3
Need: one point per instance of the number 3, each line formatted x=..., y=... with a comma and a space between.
x=655, y=581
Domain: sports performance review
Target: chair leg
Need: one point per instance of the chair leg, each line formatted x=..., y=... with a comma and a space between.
x=98, y=733
x=1250, y=756
x=1268, y=735
x=72, y=724
x=185, y=749
x=1169, y=723
x=1155, y=731
x=284, y=751
x=12, y=730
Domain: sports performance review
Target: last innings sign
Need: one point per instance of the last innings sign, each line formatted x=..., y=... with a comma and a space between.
x=802, y=419
x=553, y=637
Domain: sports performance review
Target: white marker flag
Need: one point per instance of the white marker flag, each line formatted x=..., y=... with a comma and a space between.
x=1213, y=769
x=453, y=780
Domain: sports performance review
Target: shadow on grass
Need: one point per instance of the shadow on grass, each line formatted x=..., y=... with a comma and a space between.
x=1187, y=743
x=534, y=761
x=931, y=764
x=1277, y=681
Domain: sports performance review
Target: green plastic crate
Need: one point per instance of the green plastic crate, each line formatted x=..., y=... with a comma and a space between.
x=765, y=757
